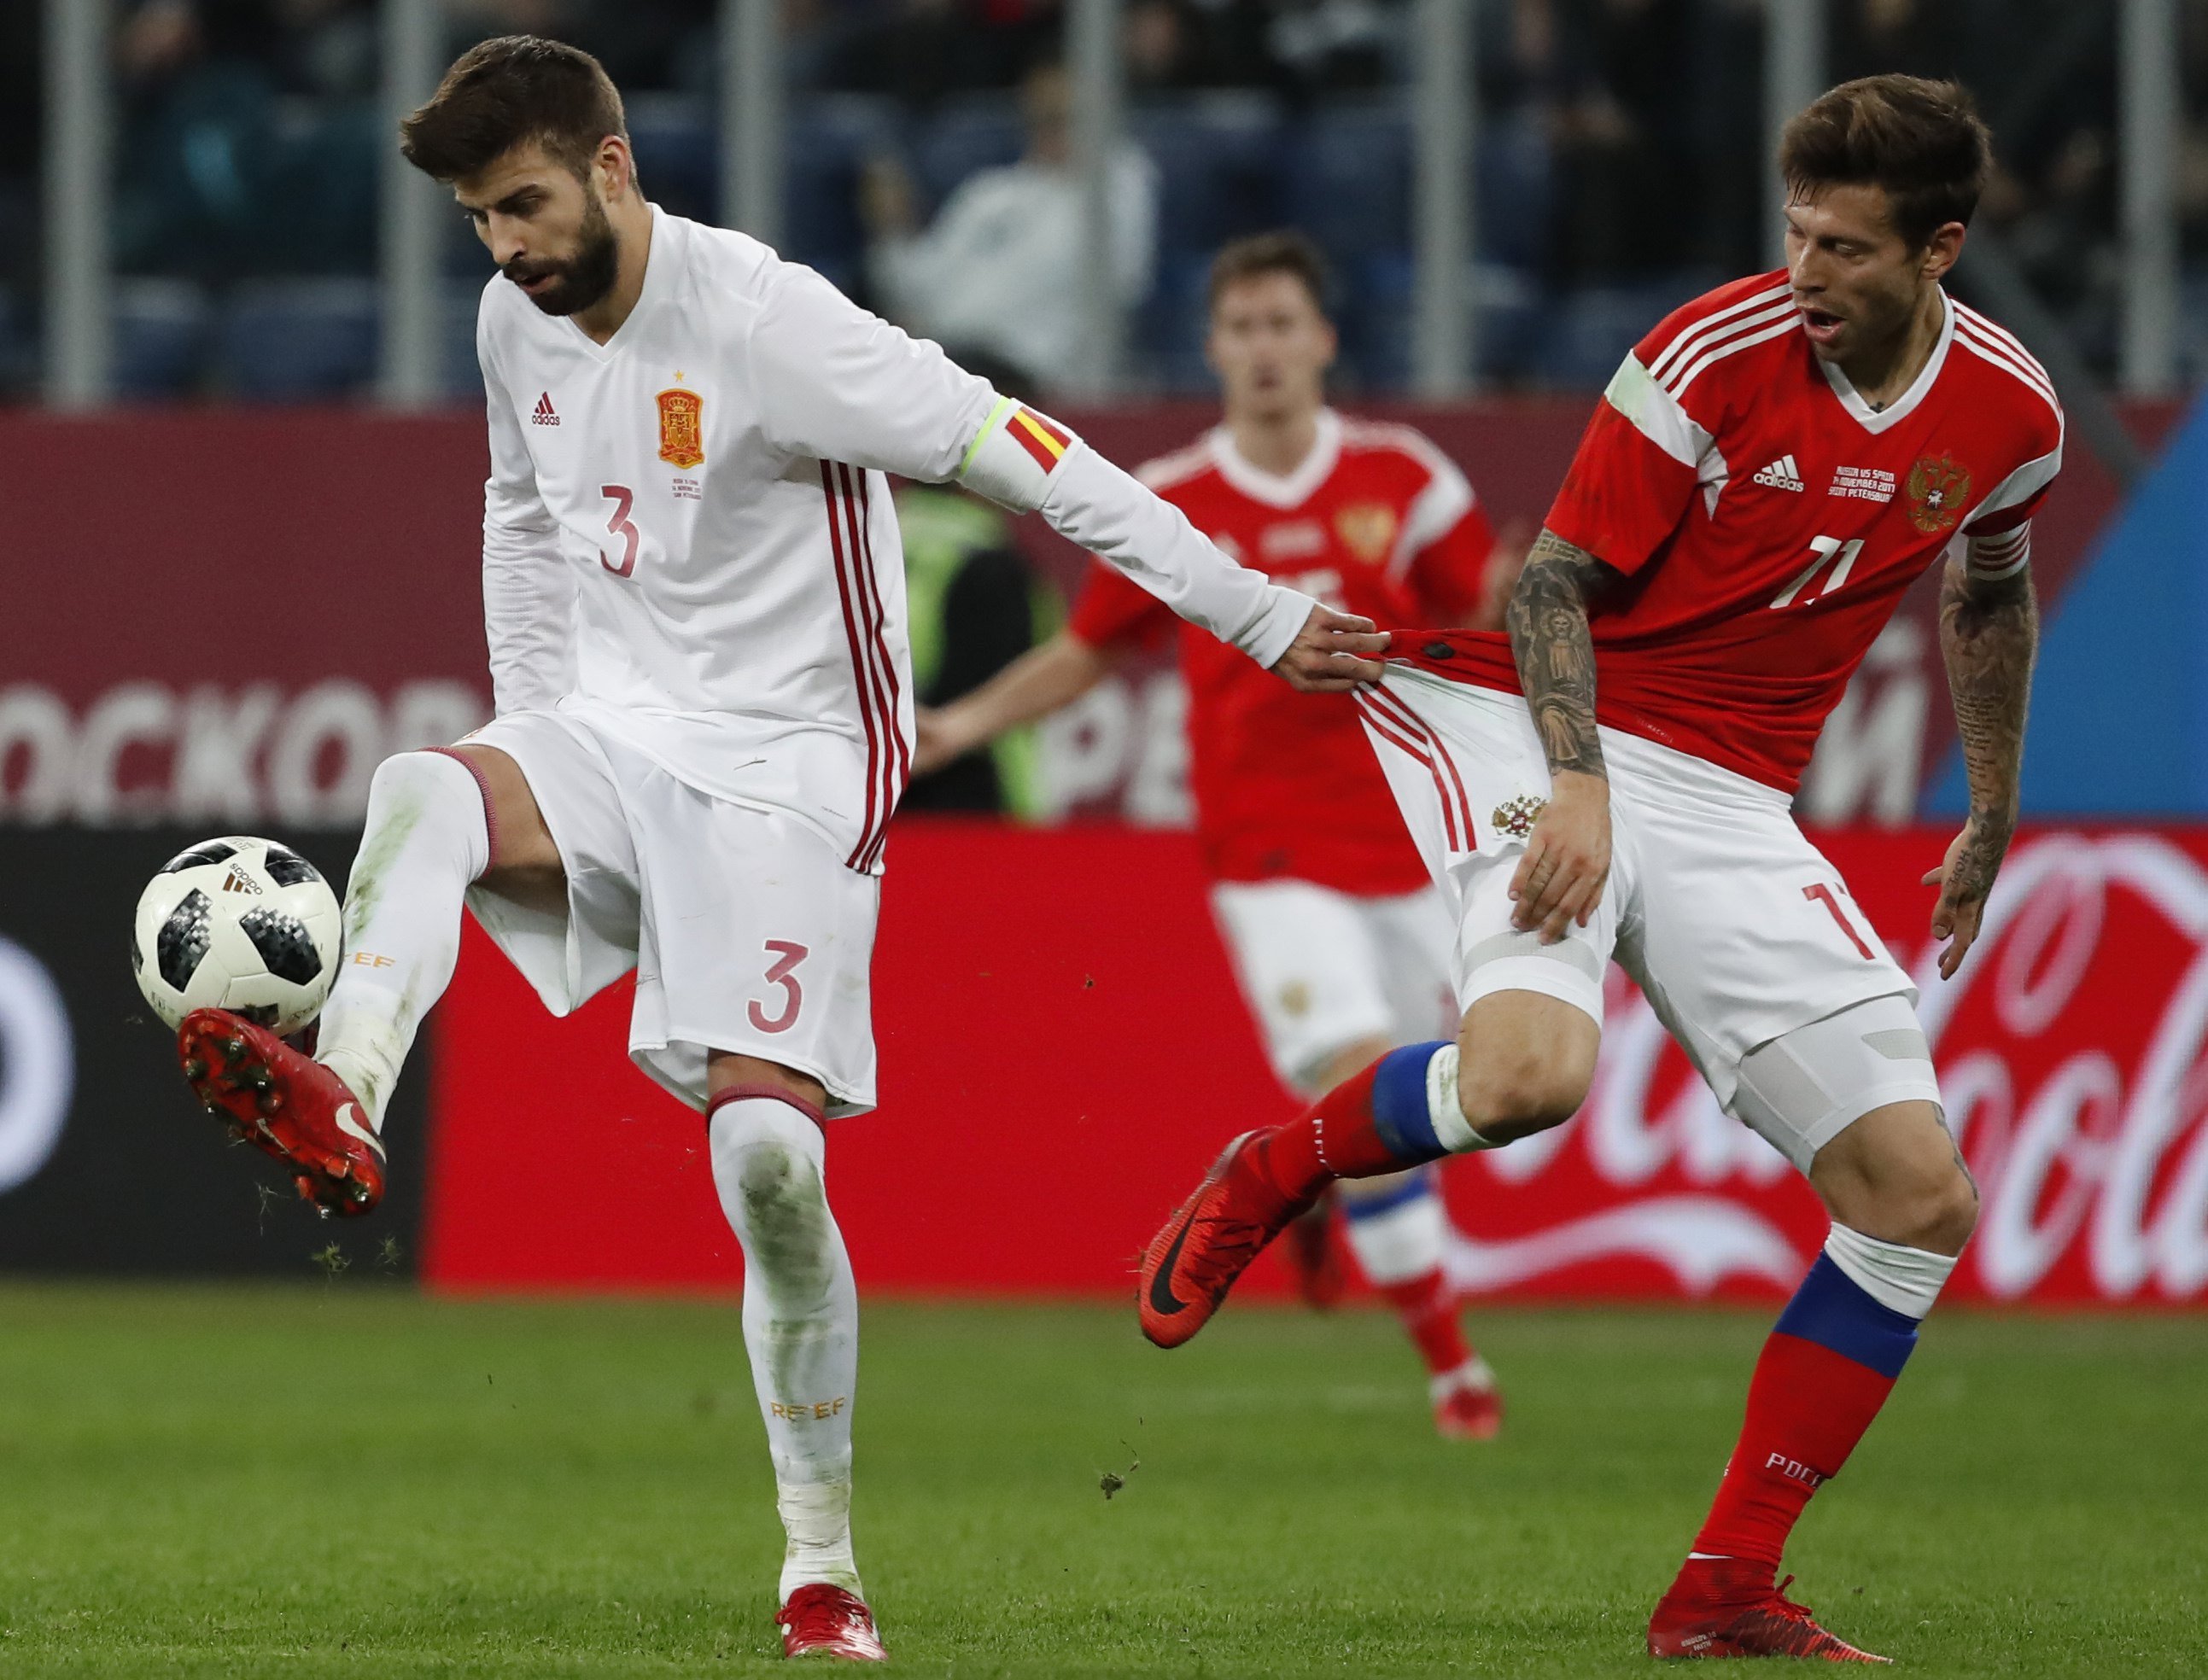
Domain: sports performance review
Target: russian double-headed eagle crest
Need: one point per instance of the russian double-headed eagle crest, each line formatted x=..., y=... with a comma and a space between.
x=1939, y=487
x=1368, y=529
x=1516, y=817
x=681, y=428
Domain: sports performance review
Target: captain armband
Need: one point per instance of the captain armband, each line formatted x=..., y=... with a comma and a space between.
x=2003, y=555
x=1015, y=457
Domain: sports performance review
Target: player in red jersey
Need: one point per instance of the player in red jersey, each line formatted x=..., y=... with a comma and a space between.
x=1340, y=944
x=1769, y=470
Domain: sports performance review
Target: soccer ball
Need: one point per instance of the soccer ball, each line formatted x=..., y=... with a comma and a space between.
x=239, y=924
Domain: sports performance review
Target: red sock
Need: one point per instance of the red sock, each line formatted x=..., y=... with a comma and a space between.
x=1427, y=1306
x=1807, y=1408
x=1339, y=1137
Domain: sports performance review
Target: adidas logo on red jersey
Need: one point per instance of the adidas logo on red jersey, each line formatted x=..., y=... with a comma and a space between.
x=1781, y=475
x=545, y=414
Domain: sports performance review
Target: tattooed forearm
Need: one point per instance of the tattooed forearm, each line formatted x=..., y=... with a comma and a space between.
x=1549, y=637
x=1989, y=633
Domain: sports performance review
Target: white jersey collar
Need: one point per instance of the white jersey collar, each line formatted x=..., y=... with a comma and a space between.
x=1878, y=419
x=1273, y=488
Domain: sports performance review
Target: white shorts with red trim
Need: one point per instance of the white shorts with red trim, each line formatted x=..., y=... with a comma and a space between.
x=746, y=930
x=1735, y=927
x=1322, y=970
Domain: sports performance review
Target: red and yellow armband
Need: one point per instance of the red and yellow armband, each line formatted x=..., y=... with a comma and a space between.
x=1016, y=456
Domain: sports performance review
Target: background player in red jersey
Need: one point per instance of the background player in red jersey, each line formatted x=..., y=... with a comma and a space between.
x=1769, y=470
x=1340, y=944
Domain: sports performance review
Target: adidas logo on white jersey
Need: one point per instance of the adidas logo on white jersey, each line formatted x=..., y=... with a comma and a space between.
x=545, y=414
x=1781, y=475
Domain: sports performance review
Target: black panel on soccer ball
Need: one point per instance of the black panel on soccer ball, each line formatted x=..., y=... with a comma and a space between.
x=287, y=868
x=286, y=948
x=183, y=939
x=208, y=851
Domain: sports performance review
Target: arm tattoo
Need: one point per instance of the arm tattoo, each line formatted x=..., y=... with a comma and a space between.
x=1549, y=636
x=1989, y=632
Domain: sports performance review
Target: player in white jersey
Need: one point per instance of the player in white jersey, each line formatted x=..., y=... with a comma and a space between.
x=693, y=600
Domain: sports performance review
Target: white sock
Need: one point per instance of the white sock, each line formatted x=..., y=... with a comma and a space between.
x=1474, y=1373
x=1396, y=1225
x=1900, y=1279
x=800, y=1325
x=427, y=837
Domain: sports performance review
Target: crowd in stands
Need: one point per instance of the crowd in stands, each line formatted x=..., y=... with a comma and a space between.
x=1620, y=166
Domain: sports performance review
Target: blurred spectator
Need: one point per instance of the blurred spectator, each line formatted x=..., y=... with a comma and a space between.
x=1000, y=269
x=1911, y=37
x=1165, y=47
x=1623, y=75
x=23, y=93
x=921, y=50
x=646, y=45
x=1332, y=46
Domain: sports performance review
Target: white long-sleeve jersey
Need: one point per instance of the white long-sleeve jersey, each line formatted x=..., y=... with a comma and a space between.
x=689, y=541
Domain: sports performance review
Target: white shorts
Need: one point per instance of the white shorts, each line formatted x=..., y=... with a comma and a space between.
x=1324, y=970
x=746, y=931
x=1733, y=925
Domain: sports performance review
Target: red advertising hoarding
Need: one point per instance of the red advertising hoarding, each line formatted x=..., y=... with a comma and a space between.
x=1062, y=1050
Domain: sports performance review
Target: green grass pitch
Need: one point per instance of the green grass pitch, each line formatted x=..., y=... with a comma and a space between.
x=352, y=1479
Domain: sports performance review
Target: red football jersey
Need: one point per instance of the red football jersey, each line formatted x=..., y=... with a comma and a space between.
x=1375, y=521
x=1767, y=519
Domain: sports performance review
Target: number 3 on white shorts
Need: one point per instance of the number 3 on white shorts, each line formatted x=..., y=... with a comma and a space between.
x=782, y=972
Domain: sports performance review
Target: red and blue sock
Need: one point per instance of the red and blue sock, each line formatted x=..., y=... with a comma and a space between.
x=1378, y=1121
x=1829, y=1364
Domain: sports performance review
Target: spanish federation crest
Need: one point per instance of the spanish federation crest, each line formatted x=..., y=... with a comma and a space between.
x=681, y=428
x=1939, y=487
x=1516, y=817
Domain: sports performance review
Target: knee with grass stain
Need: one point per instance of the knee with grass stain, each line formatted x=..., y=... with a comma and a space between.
x=786, y=1227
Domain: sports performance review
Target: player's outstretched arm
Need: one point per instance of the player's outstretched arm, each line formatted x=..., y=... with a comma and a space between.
x=1988, y=637
x=837, y=384
x=1026, y=461
x=1567, y=861
x=1047, y=676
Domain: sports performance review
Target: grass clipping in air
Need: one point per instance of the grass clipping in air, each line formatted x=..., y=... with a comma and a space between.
x=343, y=1480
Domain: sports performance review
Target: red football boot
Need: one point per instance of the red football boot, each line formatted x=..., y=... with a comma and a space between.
x=1193, y=1262
x=1467, y=1409
x=824, y=1621
x=1728, y=1607
x=1313, y=1258
x=287, y=1106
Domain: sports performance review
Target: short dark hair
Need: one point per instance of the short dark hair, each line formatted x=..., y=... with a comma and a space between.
x=1922, y=140
x=1284, y=252
x=507, y=91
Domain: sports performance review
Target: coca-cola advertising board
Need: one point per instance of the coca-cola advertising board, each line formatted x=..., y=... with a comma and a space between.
x=1063, y=1051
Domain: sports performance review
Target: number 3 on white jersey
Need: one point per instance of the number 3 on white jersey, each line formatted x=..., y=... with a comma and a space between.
x=1825, y=549
x=620, y=525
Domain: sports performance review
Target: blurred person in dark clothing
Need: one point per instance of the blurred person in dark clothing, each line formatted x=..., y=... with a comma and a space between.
x=922, y=51
x=973, y=606
x=1926, y=37
x=1624, y=114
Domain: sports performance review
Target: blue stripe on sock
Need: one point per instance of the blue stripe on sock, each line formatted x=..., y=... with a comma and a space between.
x=1355, y=1207
x=1832, y=1310
x=1400, y=1113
